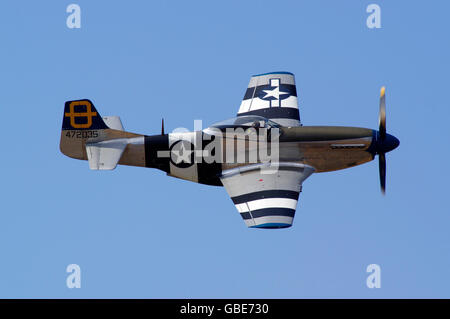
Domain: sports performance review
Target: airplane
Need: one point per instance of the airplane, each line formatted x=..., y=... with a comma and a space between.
x=235, y=153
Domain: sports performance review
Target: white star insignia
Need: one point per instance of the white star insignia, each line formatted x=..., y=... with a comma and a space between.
x=182, y=153
x=274, y=93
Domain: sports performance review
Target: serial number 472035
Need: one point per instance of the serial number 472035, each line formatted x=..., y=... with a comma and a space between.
x=82, y=134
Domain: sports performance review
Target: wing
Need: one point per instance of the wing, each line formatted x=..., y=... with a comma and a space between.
x=266, y=196
x=274, y=96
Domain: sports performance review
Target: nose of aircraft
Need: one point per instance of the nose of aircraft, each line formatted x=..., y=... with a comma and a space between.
x=389, y=143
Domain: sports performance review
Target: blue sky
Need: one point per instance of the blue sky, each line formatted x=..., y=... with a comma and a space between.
x=137, y=233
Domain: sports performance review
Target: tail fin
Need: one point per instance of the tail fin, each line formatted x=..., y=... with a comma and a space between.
x=82, y=115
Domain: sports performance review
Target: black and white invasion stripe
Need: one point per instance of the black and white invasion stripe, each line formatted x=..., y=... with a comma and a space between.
x=268, y=208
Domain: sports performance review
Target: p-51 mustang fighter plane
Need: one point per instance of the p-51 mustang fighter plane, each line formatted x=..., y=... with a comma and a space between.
x=235, y=153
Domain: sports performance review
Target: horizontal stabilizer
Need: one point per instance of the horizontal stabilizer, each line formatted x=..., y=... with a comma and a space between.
x=106, y=154
x=113, y=122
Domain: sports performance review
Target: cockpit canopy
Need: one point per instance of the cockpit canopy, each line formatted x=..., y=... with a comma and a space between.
x=246, y=121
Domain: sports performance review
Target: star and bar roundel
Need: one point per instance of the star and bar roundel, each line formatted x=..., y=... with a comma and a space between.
x=274, y=96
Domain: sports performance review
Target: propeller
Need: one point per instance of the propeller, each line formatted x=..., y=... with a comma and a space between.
x=162, y=126
x=382, y=167
x=382, y=116
x=382, y=135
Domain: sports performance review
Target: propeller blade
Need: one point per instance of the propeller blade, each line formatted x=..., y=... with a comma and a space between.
x=382, y=167
x=382, y=116
x=162, y=126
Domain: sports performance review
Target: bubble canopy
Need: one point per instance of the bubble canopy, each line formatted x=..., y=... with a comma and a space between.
x=246, y=121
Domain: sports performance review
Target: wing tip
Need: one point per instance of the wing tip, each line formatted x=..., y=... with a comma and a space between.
x=279, y=72
x=271, y=226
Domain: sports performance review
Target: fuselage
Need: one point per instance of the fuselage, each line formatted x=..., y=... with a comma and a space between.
x=326, y=148
x=202, y=156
